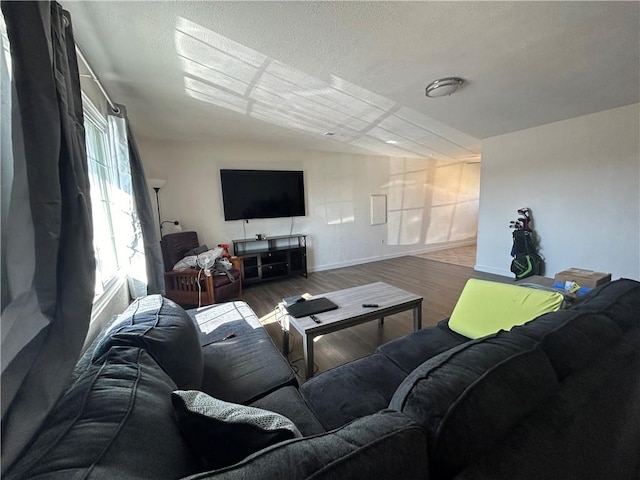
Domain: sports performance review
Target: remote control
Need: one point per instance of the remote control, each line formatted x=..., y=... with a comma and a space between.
x=370, y=305
x=314, y=318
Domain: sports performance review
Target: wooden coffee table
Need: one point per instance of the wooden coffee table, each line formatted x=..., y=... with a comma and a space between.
x=350, y=312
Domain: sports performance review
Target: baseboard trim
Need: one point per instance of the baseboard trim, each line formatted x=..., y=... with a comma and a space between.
x=496, y=271
x=445, y=246
x=386, y=256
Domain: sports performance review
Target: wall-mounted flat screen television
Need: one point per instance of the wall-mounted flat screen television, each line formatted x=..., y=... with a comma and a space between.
x=262, y=194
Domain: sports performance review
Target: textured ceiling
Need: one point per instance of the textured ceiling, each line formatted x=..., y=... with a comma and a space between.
x=287, y=72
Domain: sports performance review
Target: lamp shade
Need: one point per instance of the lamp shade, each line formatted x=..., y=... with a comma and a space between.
x=156, y=182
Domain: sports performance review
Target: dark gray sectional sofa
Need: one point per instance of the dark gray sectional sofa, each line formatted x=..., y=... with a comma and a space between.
x=558, y=397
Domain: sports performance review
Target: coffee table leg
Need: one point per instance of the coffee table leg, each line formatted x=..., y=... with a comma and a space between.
x=307, y=345
x=417, y=317
x=285, y=343
x=285, y=334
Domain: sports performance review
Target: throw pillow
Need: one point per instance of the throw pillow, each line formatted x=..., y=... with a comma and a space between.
x=223, y=433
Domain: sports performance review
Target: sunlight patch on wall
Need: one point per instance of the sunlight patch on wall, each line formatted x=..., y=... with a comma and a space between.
x=454, y=203
x=405, y=226
x=332, y=193
x=430, y=203
x=446, y=184
x=337, y=213
x=406, y=191
x=439, y=224
x=224, y=73
x=465, y=221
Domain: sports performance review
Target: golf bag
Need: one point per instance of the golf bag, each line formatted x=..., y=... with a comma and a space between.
x=526, y=260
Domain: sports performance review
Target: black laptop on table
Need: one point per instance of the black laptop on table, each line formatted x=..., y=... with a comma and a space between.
x=310, y=307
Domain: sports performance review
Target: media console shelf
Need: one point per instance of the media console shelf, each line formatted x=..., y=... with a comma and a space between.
x=271, y=258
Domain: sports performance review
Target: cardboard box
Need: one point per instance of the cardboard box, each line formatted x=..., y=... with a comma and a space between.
x=586, y=279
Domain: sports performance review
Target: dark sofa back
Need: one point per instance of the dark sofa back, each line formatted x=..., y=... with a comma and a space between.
x=618, y=300
x=116, y=421
x=552, y=374
x=166, y=332
x=571, y=338
x=468, y=397
x=589, y=431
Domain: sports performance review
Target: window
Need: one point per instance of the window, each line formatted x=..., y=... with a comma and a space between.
x=100, y=174
x=111, y=199
x=6, y=53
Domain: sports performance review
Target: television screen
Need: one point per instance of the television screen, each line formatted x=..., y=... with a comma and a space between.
x=262, y=194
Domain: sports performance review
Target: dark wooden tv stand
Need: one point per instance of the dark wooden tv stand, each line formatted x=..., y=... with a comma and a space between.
x=271, y=258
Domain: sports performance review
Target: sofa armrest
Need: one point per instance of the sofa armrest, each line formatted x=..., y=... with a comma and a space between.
x=386, y=444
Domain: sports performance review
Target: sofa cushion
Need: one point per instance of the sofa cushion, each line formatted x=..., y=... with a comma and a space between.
x=571, y=338
x=245, y=367
x=415, y=348
x=223, y=433
x=164, y=329
x=619, y=300
x=467, y=398
x=352, y=390
x=383, y=445
x=116, y=421
x=485, y=307
x=216, y=322
x=287, y=401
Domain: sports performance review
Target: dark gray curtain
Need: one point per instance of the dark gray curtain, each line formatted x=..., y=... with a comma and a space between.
x=152, y=252
x=49, y=258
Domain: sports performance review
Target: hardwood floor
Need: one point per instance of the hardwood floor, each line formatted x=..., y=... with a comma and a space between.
x=464, y=256
x=440, y=285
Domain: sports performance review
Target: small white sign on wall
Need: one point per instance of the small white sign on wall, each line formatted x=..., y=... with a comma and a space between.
x=378, y=209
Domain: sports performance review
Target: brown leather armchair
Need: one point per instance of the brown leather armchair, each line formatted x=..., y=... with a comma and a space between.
x=193, y=287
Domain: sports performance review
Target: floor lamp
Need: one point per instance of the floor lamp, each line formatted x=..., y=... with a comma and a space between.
x=157, y=189
x=157, y=184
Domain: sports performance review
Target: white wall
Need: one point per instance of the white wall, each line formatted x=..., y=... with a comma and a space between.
x=430, y=205
x=581, y=178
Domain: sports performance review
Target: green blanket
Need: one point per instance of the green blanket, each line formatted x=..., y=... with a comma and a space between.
x=486, y=307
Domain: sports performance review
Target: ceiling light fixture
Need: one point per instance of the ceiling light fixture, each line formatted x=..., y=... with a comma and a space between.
x=443, y=87
x=391, y=142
